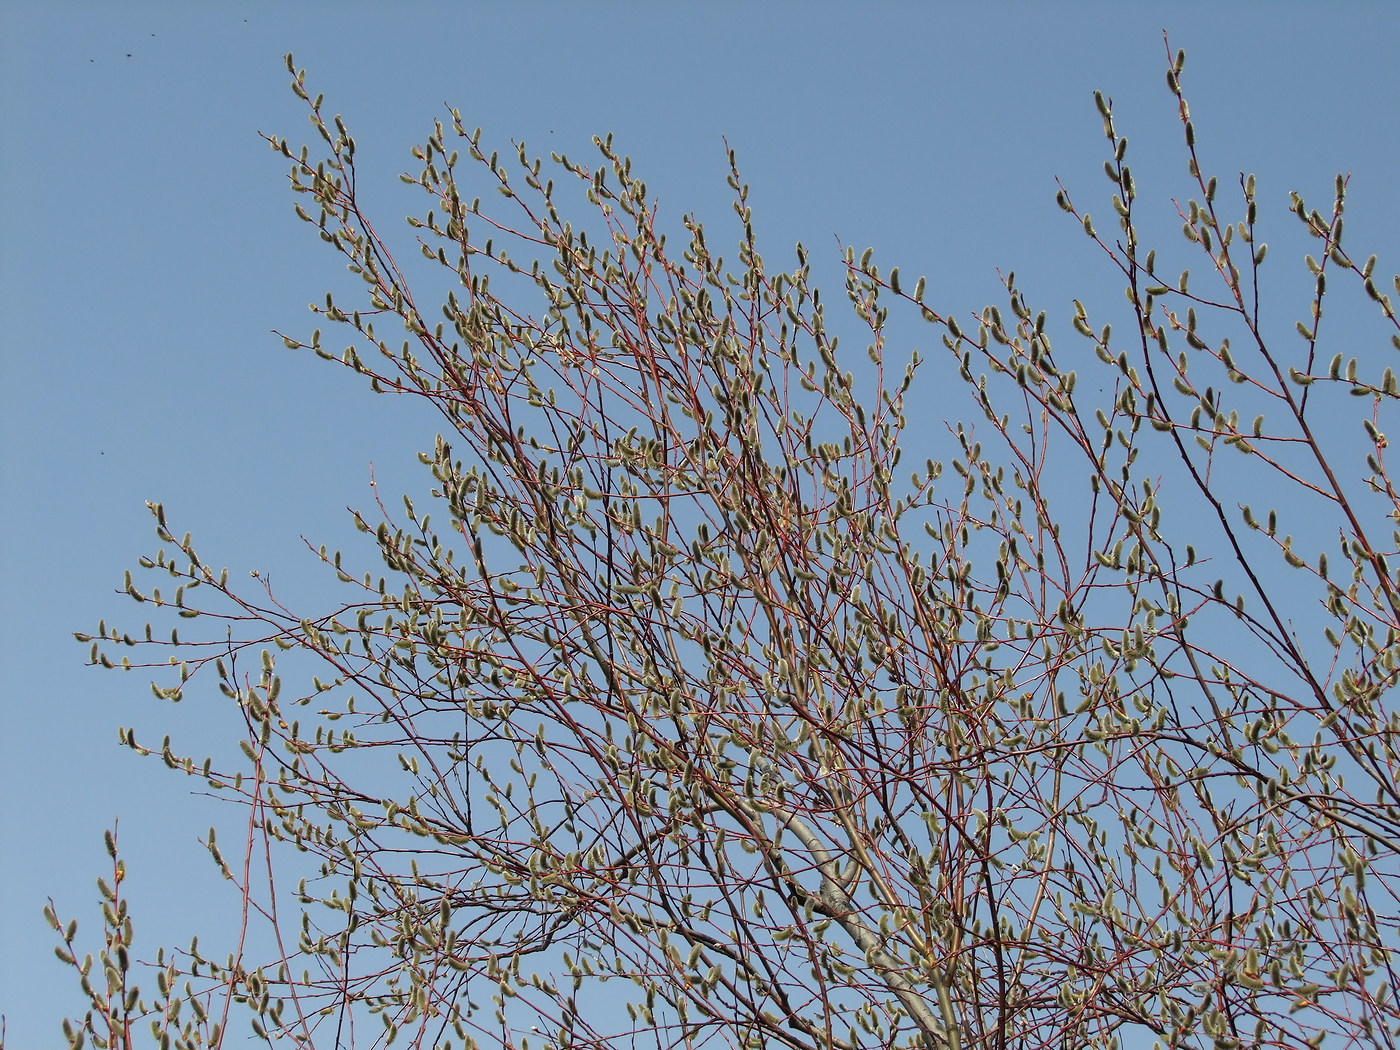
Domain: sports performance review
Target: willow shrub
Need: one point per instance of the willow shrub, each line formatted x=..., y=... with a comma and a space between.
x=687, y=683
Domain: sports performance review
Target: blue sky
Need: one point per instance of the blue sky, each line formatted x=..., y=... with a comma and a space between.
x=148, y=248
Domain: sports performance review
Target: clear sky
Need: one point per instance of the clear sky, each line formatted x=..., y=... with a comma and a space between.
x=148, y=248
